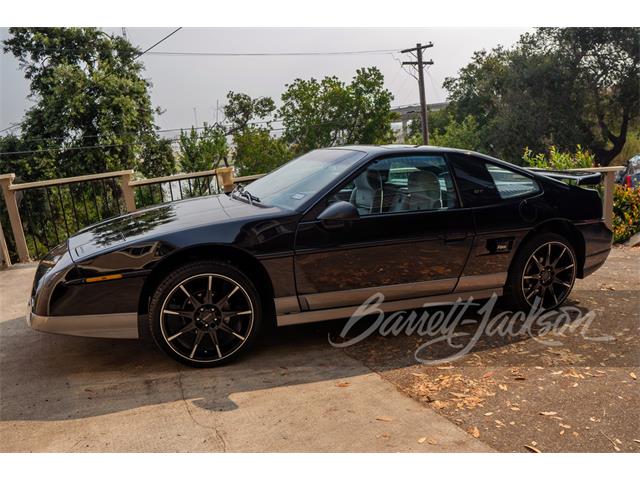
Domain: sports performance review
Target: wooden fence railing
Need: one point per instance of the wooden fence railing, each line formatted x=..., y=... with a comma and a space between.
x=42, y=214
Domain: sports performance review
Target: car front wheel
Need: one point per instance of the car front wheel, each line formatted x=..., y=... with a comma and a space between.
x=543, y=273
x=205, y=313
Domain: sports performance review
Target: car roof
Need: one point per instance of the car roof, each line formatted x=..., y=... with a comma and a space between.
x=412, y=149
x=399, y=148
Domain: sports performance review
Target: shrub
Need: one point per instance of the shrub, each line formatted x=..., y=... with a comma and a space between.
x=626, y=212
x=557, y=160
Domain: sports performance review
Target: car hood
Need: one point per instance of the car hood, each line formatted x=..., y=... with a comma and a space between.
x=159, y=220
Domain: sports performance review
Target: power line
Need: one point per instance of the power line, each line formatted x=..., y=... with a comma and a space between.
x=234, y=54
x=11, y=127
x=158, y=42
x=273, y=54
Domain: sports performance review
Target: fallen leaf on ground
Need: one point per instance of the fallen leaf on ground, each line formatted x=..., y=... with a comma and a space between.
x=633, y=375
x=487, y=375
x=532, y=449
x=384, y=418
x=502, y=387
x=459, y=395
x=548, y=414
x=613, y=443
x=474, y=432
x=636, y=440
x=343, y=384
x=422, y=439
x=488, y=414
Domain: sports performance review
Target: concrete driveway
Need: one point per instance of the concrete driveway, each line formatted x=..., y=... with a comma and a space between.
x=292, y=393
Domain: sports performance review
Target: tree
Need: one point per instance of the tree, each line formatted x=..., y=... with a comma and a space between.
x=88, y=91
x=242, y=109
x=256, y=151
x=157, y=158
x=557, y=86
x=204, y=149
x=464, y=135
x=438, y=120
x=329, y=112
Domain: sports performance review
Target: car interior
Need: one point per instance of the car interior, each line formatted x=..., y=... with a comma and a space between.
x=400, y=185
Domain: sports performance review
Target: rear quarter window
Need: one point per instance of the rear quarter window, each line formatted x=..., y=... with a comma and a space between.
x=511, y=184
x=475, y=185
x=482, y=183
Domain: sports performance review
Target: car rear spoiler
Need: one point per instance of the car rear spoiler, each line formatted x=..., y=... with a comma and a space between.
x=573, y=177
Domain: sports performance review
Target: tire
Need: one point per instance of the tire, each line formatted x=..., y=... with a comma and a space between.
x=528, y=285
x=205, y=314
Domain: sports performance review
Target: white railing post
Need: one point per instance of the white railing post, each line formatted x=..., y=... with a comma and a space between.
x=6, y=181
x=225, y=178
x=127, y=190
x=607, y=206
x=5, y=259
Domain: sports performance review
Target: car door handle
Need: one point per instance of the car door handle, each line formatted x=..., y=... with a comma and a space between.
x=454, y=237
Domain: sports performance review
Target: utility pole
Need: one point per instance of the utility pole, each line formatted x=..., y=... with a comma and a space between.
x=418, y=49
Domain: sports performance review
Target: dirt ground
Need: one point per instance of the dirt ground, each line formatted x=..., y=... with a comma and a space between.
x=518, y=394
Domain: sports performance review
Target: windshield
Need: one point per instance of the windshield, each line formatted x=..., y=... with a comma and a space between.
x=296, y=182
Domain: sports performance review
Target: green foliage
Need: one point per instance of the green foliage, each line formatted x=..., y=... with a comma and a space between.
x=464, y=135
x=204, y=149
x=256, y=151
x=88, y=90
x=158, y=159
x=324, y=113
x=557, y=86
x=626, y=212
x=242, y=109
x=437, y=120
x=558, y=160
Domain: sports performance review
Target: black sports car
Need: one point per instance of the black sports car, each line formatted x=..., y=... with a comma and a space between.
x=314, y=239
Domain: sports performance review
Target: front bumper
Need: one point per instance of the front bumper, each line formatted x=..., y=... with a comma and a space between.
x=115, y=325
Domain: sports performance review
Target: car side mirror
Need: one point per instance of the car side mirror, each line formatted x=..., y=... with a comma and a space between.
x=338, y=213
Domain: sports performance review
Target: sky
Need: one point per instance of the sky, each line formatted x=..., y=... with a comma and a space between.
x=188, y=88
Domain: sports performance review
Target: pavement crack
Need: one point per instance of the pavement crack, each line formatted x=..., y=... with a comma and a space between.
x=214, y=429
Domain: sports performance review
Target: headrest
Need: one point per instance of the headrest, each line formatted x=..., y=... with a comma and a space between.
x=423, y=181
x=372, y=178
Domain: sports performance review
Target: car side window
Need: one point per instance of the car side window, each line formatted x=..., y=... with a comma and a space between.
x=401, y=184
x=475, y=185
x=511, y=184
x=482, y=183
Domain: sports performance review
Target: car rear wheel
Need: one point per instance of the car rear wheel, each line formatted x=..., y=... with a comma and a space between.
x=205, y=313
x=542, y=273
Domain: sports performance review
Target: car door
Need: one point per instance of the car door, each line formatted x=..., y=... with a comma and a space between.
x=411, y=240
x=506, y=205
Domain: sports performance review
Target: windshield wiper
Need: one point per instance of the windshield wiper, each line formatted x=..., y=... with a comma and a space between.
x=248, y=195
